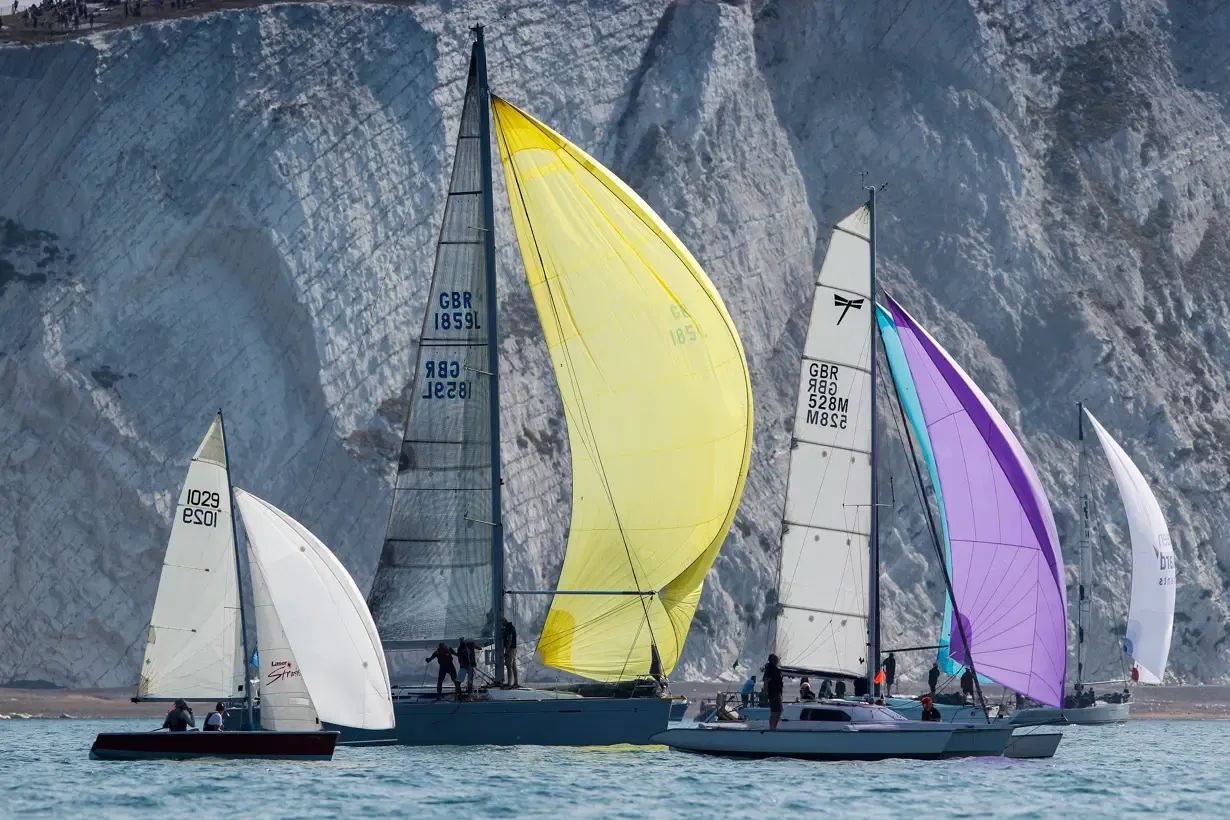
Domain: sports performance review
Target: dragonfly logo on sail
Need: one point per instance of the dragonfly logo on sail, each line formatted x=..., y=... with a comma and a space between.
x=845, y=305
x=282, y=670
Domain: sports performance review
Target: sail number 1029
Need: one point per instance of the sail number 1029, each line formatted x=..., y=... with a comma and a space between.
x=202, y=508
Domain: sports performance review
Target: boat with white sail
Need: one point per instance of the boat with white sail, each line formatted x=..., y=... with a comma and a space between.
x=827, y=624
x=657, y=399
x=1150, y=622
x=320, y=659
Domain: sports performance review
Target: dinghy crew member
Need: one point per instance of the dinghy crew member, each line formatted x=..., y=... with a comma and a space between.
x=180, y=717
x=214, y=720
x=933, y=677
x=444, y=657
x=510, y=655
x=890, y=674
x=929, y=712
x=773, y=686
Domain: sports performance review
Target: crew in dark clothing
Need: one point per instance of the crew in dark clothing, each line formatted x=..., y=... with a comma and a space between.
x=180, y=717
x=839, y=689
x=465, y=659
x=444, y=656
x=890, y=674
x=805, y=692
x=773, y=686
x=929, y=712
x=510, y=655
x=933, y=677
x=967, y=684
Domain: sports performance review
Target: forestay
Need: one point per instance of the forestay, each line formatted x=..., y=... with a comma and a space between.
x=823, y=584
x=194, y=648
x=330, y=638
x=1151, y=613
x=1006, y=567
x=656, y=395
x=434, y=580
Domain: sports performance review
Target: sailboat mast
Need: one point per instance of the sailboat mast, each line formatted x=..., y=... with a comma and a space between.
x=243, y=620
x=493, y=357
x=1084, y=604
x=873, y=603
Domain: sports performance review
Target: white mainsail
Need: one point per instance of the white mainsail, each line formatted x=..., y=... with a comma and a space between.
x=1151, y=612
x=317, y=621
x=822, y=583
x=195, y=649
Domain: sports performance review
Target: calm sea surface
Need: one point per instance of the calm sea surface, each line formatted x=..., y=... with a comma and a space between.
x=1167, y=767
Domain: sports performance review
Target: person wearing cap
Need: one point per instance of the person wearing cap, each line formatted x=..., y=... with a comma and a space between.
x=929, y=712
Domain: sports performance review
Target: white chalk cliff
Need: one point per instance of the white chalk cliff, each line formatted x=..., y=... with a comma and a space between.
x=239, y=211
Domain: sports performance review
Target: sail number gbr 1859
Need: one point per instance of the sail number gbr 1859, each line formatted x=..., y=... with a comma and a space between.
x=456, y=312
x=202, y=508
x=824, y=407
x=441, y=380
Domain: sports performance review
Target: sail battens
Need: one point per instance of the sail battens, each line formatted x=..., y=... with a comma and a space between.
x=656, y=395
x=1003, y=549
x=444, y=477
x=822, y=576
x=194, y=646
x=1151, y=607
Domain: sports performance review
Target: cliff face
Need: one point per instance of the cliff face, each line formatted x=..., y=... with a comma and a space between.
x=239, y=210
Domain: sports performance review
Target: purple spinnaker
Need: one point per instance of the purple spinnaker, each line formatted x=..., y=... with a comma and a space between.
x=1007, y=569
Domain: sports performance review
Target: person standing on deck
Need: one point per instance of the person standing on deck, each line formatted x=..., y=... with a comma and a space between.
x=465, y=660
x=444, y=656
x=773, y=686
x=180, y=717
x=890, y=674
x=749, y=688
x=967, y=684
x=510, y=655
x=933, y=677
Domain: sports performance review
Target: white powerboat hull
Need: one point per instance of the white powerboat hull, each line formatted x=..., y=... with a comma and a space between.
x=873, y=743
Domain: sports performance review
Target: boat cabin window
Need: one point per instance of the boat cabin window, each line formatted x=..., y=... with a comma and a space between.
x=833, y=715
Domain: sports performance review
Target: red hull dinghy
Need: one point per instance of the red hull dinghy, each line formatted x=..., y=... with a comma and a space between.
x=225, y=745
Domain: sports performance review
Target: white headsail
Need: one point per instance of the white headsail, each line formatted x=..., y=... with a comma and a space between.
x=1151, y=613
x=823, y=584
x=324, y=626
x=194, y=648
x=286, y=704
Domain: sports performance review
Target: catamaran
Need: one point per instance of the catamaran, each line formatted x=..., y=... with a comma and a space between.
x=1151, y=610
x=1002, y=568
x=657, y=400
x=320, y=658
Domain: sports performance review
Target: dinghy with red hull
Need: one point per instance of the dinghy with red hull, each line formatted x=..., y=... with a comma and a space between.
x=319, y=660
x=222, y=745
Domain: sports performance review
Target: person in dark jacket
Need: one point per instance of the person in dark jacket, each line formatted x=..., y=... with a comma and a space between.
x=509, y=637
x=929, y=712
x=180, y=718
x=773, y=686
x=967, y=684
x=933, y=677
x=839, y=689
x=444, y=656
x=465, y=659
x=890, y=674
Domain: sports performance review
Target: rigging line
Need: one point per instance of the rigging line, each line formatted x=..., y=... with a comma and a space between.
x=939, y=551
x=567, y=356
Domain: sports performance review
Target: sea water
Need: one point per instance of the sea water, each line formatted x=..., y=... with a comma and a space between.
x=1162, y=767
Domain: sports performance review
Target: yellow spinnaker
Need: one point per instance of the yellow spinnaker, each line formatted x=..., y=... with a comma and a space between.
x=656, y=394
